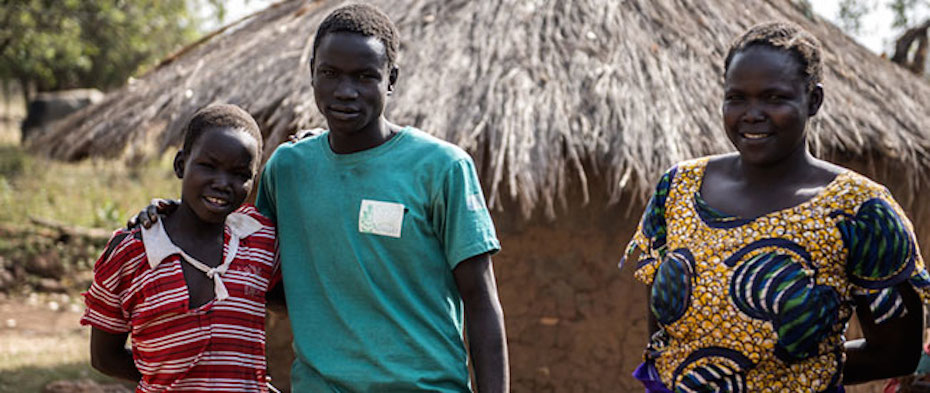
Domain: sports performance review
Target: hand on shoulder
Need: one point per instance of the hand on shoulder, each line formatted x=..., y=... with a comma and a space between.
x=148, y=215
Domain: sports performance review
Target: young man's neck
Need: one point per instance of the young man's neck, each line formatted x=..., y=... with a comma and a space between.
x=372, y=136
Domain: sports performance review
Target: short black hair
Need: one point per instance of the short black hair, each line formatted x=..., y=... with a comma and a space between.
x=220, y=116
x=361, y=19
x=787, y=37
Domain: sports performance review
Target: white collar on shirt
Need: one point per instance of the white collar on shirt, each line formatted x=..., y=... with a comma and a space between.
x=159, y=246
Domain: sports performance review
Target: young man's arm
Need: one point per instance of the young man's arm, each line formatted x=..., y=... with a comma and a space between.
x=889, y=349
x=109, y=355
x=484, y=323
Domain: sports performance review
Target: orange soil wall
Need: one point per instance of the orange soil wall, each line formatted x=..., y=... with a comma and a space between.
x=575, y=322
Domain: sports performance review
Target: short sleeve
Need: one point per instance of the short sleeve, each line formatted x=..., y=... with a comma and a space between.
x=882, y=252
x=267, y=241
x=103, y=303
x=649, y=240
x=276, y=276
x=265, y=198
x=460, y=215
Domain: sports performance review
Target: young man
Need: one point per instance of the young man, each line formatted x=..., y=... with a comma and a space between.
x=385, y=239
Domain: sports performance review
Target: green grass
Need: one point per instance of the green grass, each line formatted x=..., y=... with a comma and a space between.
x=91, y=193
x=100, y=194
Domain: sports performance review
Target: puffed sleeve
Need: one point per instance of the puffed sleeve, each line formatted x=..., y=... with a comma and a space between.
x=648, y=245
x=882, y=252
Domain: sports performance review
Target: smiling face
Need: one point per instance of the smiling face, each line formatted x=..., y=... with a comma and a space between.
x=217, y=172
x=351, y=81
x=767, y=104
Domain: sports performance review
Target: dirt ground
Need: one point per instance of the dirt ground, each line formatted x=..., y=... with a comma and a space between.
x=41, y=341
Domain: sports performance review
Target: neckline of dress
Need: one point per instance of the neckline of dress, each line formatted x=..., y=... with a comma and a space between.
x=732, y=221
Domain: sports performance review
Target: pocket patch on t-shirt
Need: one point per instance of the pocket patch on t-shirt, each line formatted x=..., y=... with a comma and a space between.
x=381, y=218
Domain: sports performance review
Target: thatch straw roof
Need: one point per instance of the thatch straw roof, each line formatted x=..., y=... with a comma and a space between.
x=544, y=94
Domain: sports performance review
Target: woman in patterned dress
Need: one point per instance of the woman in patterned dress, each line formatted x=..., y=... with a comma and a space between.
x=756, y=260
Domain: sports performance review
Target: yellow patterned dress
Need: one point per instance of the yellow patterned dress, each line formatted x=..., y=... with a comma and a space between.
x=761, y=304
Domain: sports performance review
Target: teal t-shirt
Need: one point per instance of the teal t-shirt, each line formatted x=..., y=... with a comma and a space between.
x=367, y=242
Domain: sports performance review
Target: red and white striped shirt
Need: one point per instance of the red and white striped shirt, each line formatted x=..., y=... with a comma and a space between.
x=218, y=347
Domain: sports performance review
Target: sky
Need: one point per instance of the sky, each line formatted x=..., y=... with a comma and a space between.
x=235, y=9
x=876, y=32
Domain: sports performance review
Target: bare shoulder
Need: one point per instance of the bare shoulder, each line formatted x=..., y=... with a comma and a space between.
x=827, y=171
x=723, y=159
x=722, y=165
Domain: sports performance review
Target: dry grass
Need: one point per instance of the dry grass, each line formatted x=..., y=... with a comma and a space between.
x=94, y=193
x=12, y=111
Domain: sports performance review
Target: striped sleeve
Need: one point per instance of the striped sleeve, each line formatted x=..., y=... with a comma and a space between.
x=269, y=231
x=276, y=272
x=103, y=302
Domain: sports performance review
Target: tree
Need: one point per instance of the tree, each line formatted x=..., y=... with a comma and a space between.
x=903, y=11
x=851, y=12
x=911, y=47
x=58, y=44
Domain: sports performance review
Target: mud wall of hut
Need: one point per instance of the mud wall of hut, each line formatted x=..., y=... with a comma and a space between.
x=575, y=322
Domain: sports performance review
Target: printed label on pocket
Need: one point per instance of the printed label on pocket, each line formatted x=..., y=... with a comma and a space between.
x=381, y=218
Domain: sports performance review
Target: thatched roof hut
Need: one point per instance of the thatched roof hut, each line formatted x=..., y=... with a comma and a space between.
x=541, y=92
x=571, y=109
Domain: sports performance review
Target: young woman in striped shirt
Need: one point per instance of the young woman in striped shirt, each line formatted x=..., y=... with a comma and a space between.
x=190, y=290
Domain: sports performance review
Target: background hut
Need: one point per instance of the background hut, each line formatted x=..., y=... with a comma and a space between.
x=571, y=109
